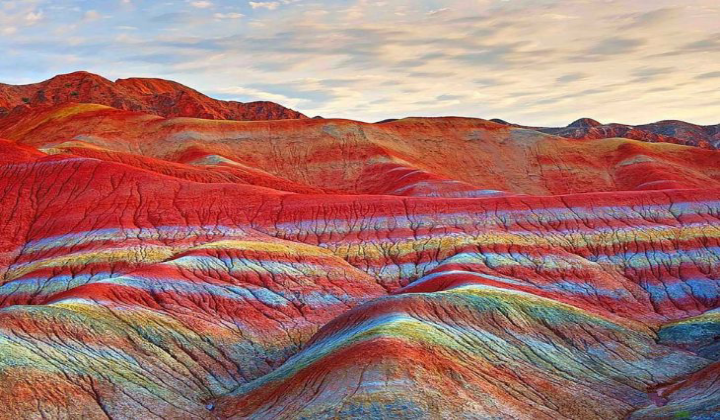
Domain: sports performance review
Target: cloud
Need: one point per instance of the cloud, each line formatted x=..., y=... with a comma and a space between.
x=536, y=63
x=174, y=18
x=33, y=17
x=201, y=4
x=709, y=44
x=649, y=19
x=231, y=15
x=710, y=75
x=615, y=46
x=245, y=94
x=493, y=55
x=435, y=12
x=447, y=97
x=647, y=74
x=269, y=5
x=559, y=16
x=430, y=74
x=571, y=77
x=91, y=15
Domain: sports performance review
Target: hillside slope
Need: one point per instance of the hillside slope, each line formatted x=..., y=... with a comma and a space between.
x=449, y=157
x=421, y=268
x=155, y=96
x=670, y=131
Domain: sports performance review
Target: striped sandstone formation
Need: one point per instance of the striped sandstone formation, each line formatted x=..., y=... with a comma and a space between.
x=421, y=268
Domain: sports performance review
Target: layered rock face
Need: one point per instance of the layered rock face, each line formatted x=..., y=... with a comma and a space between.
x=419, y=268
x=678, y=132
x=154, y=96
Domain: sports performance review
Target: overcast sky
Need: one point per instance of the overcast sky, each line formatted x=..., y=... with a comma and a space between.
x=536, y=62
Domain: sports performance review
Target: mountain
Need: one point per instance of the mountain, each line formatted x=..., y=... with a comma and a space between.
x=326, y=268
x=671, y=131
x=154, y=96
x=434, y=157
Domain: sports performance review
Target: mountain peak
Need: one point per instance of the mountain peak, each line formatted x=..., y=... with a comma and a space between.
x=78, y=74
x=584, y=123
x=150, y=95
x=153, y=85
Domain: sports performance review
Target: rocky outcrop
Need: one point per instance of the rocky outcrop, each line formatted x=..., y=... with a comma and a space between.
x=677, y=132
x=155, y=96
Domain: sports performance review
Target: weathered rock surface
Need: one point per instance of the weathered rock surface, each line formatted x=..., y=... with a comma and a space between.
x=155, y=96
x=319, y=268
x=669, y=131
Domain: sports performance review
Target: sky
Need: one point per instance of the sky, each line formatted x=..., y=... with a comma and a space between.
x=533, y=62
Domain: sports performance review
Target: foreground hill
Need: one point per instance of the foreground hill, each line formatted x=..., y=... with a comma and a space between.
x=420, y=268
x=154, y=96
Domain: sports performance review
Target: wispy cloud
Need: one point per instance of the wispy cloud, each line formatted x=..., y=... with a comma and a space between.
x=615, y=46
x=532, y=62
x=34, y=16
x=438, y=11
x=231, y=15
x=91, y=15
x=710, y=75
x=254, y=94
x=270, y=5
x=201, y=4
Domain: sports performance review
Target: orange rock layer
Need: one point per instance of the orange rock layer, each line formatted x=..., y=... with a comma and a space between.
x=420, y=268
x=154, y=96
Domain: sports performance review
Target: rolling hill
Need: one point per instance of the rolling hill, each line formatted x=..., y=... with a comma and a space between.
x=191, y=266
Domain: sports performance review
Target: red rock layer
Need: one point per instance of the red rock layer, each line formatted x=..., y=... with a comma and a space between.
x=155, y=96
x=670, y=131
x=423, y=268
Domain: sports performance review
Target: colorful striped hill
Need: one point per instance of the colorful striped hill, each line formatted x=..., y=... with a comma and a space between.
x=422, y=268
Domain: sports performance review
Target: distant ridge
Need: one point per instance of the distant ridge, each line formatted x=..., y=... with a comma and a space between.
x=155, y=96
x=668, y=131
x=170, y=99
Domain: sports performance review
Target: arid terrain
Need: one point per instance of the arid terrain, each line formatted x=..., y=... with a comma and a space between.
x=167, y=255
